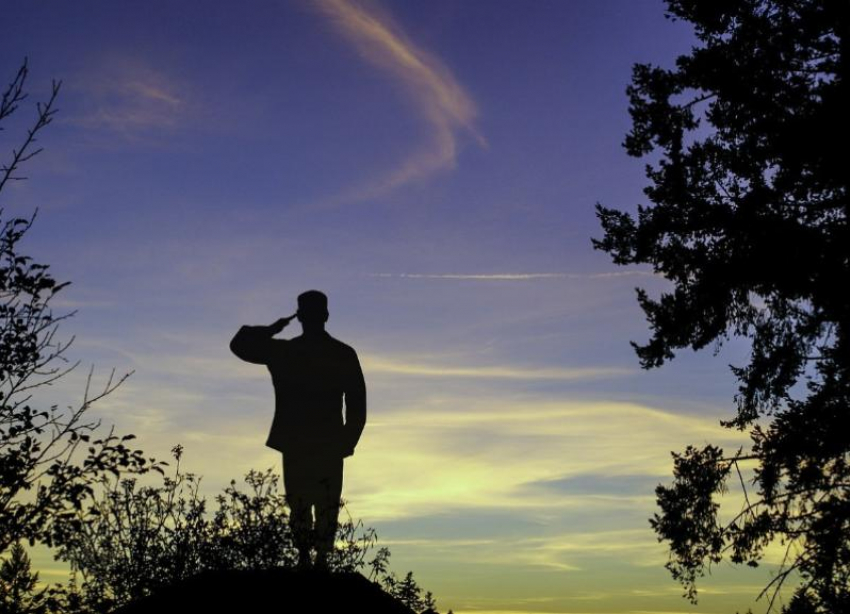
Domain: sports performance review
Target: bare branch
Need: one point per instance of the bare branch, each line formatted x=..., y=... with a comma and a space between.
x=14, y=93
x=23, y=154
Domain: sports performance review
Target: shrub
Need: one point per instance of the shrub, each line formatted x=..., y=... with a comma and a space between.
x=136, y=539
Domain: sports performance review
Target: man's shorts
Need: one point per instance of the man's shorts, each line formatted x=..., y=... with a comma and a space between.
x=311, y=479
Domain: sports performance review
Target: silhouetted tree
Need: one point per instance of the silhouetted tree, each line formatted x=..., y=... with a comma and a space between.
x=409, y=593
x=406, y=590
x=18, y=592
x=379, y=564
x=429, y=602
x=749, y=222
x=42, y=481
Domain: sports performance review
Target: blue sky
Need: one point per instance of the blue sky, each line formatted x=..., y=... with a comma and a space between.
x=432, y=166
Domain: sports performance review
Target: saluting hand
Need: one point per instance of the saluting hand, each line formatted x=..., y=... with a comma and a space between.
x=280, y=324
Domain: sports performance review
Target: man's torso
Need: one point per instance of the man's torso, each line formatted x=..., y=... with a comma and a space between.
x=309, y=377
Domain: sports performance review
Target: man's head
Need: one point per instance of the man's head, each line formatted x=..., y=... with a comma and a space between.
x=312, y=308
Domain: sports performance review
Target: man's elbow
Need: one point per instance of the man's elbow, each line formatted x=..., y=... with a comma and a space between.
x=239, y=345
x=235, y=346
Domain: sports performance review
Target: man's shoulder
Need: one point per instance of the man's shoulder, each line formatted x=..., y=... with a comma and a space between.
x=341, y=346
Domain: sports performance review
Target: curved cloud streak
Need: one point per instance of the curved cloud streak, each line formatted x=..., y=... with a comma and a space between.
x=439, y=98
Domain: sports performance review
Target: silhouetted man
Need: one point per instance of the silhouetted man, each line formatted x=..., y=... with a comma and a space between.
x=311, y=374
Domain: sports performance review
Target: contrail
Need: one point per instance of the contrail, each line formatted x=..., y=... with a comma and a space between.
x=515, y=276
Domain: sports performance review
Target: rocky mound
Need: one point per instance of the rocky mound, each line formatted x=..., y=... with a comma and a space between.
x=278, y=590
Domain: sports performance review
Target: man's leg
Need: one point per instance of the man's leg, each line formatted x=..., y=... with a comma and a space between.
x=296, y=483
x=327, y=507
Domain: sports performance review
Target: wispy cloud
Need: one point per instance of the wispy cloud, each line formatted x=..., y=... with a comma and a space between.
x=559, y=551
x=396, y=366
x=514, y=276
x=127, y=97
x=632, y=546
x=440, y=453
x=438, y=97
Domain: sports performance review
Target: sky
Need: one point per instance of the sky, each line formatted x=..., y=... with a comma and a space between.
x=433, y=168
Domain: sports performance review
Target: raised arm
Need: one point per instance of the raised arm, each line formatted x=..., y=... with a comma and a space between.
x=355, y=403
x=255, y=343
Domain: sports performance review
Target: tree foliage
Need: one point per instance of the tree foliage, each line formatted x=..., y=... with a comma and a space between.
x=18, y=585
x=43, y=477
x=748, y=135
